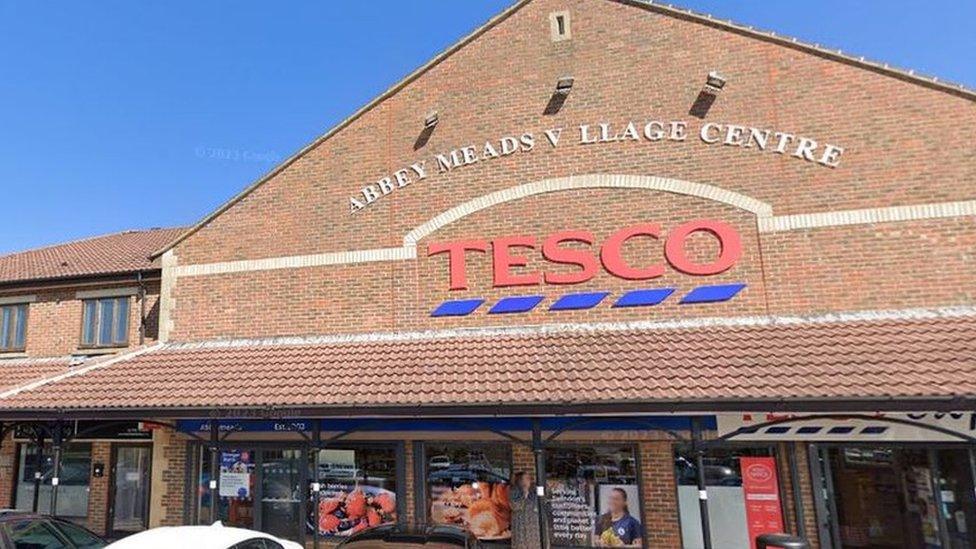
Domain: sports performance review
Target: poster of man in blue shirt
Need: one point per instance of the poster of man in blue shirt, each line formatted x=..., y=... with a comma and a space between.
x=616, y=527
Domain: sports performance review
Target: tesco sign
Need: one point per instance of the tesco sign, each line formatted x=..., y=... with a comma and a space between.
x=510, y=255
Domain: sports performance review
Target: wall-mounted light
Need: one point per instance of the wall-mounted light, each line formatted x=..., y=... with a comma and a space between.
x=431, y=120
x=564, y=84
x=714, y=82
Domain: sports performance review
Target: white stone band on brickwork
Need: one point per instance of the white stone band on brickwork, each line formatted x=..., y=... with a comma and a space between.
x=766, y=221
x=590, y=181
x=868, y=215
x=298, y=261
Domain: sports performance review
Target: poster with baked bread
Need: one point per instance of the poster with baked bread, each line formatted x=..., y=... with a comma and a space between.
x=481, y=507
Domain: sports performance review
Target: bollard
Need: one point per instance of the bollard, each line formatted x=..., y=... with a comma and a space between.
x=782, y=541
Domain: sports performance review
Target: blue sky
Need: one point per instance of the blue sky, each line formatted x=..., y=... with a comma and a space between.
x=124, y=114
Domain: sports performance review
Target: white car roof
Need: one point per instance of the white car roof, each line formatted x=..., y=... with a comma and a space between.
x=215, y=536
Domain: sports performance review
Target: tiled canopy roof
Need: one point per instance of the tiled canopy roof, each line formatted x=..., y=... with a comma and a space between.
x=22, y=371
x=930, y=358
x=125, y=252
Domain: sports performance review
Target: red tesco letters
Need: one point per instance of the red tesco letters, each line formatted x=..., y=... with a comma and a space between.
x=510, y=254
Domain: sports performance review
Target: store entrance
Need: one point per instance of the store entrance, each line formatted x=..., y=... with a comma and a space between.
x=128, y=509
x=893, y=497
x=258, y=488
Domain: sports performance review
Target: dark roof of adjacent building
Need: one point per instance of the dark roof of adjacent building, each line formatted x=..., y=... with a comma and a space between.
x=745, y=362
x=118, y=253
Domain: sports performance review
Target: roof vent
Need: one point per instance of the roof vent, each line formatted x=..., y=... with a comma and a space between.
x=559, y=26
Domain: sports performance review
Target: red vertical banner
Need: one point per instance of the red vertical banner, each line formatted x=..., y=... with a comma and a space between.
x=760, y=487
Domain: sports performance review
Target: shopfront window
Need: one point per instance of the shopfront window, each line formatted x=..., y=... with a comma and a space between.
x=467, y=486
x=73, y=481
x=594, y=497
x=358, y=490
x=731, y=509
x=886, y=496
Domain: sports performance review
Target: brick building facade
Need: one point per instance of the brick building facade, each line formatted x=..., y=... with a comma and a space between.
x=635, y=252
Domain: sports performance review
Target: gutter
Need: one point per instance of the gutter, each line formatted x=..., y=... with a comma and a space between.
x=952, y=403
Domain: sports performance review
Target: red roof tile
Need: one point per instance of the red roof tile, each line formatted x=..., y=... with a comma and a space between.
x=125, y=252
x=878, y=359
x=18, y=372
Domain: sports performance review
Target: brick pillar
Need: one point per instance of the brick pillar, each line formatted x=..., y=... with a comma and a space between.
x=8, y=471
x=410, y=503
x=168, y=488
x=806, y=492
x=660, y=494
x=98, y=488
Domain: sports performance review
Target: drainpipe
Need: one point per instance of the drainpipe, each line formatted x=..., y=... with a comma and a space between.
x=316, y=487
x=538, y=449
x=214, y=469
x=142, y=308
x=702, y=488
x=38, y=461
x=57, y=439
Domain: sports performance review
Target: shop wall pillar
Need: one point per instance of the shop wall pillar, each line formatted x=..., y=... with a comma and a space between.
x=660, y=494
x=806, y=492
x=8, y=458
x=168, y=487
x=410, y=505
x=98, y=487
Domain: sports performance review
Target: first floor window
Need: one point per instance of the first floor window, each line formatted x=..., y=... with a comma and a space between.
x=594, y=496
x=13, y=327
x=106, y=322
x=72, y=483
x=467, y=486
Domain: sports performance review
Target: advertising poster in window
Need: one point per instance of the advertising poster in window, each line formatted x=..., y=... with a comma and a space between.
x=345, y=509
x=617, y=523
x=357, y=491
x=468, y=487
x=760, y=488
x=571, y=511
x=481, y=507
x=235, y=474
x=594, y=498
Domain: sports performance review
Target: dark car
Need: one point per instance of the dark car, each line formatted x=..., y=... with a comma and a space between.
x=424, y=536
x=19, y=530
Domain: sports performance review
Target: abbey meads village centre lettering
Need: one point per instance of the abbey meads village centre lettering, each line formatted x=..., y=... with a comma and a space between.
x=709, y=133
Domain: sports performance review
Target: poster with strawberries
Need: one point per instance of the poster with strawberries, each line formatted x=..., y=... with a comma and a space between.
x=345, y=509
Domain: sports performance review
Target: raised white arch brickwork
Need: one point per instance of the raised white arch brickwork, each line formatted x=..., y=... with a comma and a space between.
x=766, y=221
x=590, y=181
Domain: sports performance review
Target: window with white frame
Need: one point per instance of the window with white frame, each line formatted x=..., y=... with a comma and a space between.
x=105, y=322
x=13, y=327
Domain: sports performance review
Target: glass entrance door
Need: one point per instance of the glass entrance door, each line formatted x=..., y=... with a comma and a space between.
x=282, y=510
x=260, y=487
x=129, y=506
x=236, y=487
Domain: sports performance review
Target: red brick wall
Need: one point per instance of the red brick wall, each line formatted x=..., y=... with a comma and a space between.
x=806, y=492
x=8, y=470
x=628, y=64
x=54, y=319
x=98, y=488
x=169, y=482
x=660, y=494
